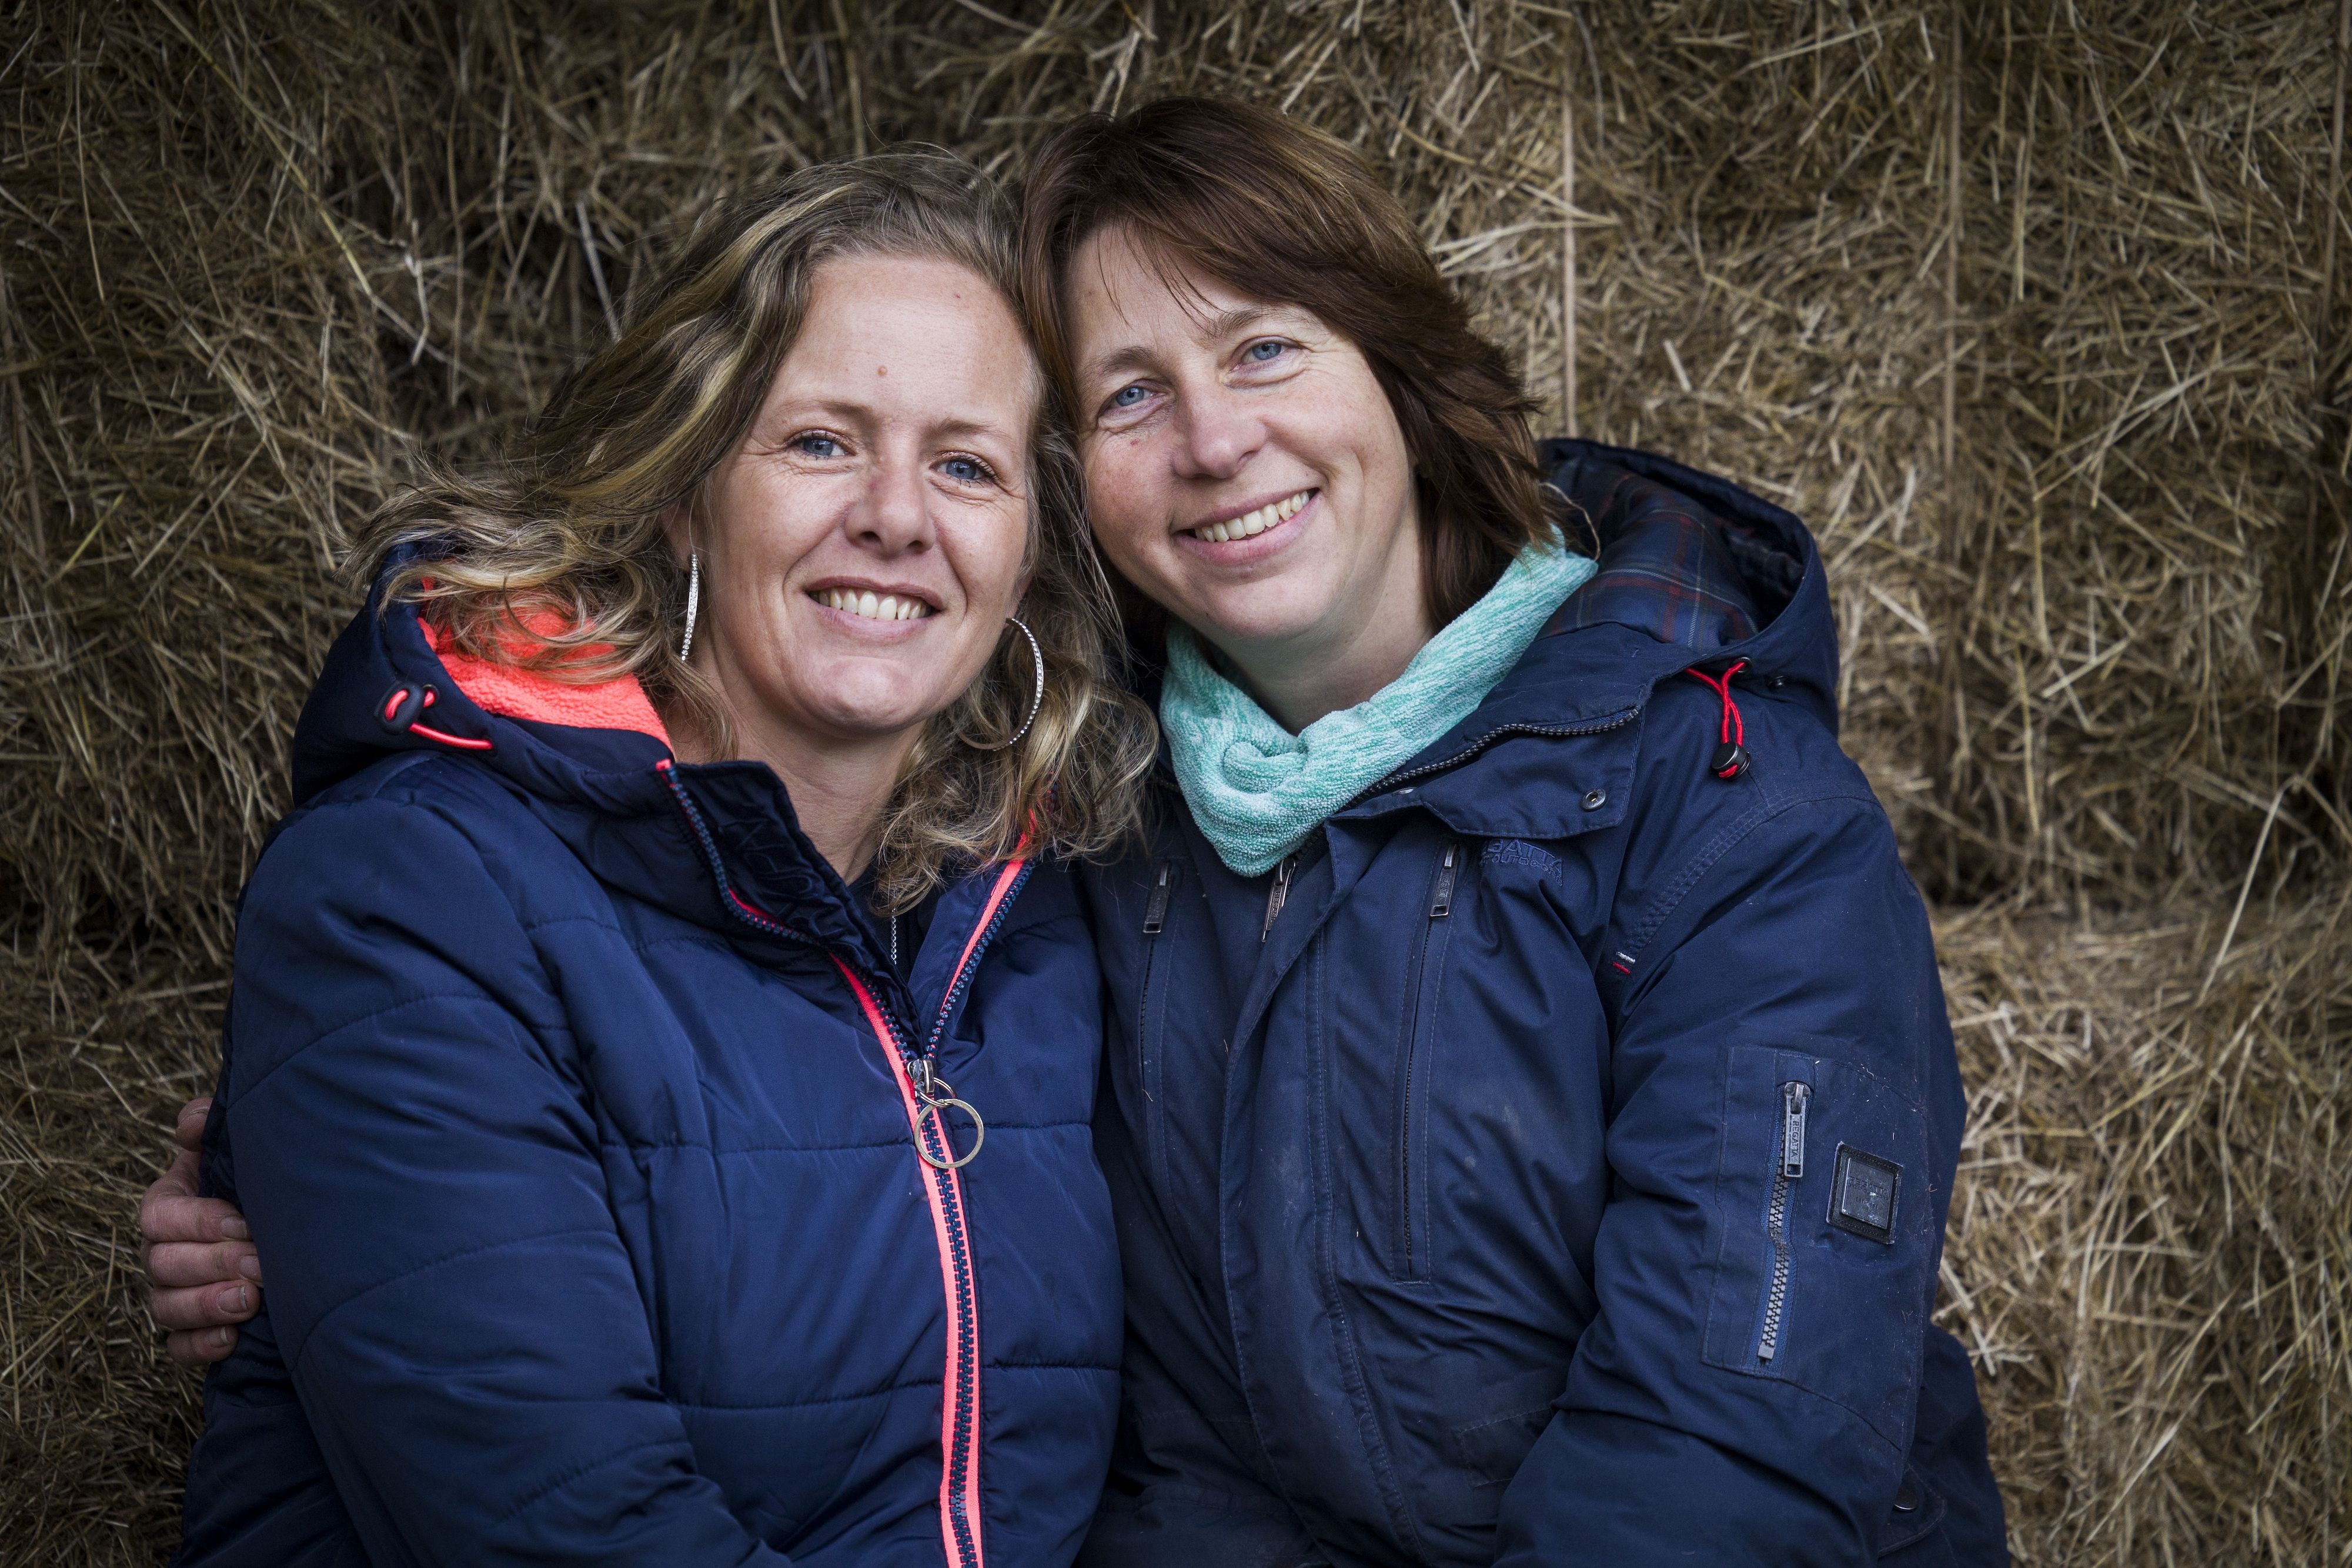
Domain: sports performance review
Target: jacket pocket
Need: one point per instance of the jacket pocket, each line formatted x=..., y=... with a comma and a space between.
x=1824, y=1270
x=1492, y=1446
x=1917, y=1511
x=1410, y=1244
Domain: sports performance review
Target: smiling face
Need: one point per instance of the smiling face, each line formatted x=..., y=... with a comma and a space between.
x=864, y=543
x=1244, y=470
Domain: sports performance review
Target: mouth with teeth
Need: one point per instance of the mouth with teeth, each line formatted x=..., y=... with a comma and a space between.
x=1251, y=524
x=871, y=605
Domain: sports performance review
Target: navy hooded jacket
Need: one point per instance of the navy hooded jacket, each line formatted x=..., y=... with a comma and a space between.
x=1549, y=1164
x=573, y=1105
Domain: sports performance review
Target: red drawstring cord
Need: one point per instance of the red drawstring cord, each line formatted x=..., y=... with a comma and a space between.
x=390, y=713
x=1730, y=759
x=1734, y=732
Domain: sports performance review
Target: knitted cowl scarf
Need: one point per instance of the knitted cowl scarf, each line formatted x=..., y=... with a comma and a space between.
x=1257, y=790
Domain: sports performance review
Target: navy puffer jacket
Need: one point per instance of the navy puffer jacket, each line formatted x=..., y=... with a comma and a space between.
x=573, y=1103
x=1549, y=1164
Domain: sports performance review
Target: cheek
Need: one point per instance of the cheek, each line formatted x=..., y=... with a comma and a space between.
x=1351, y=414
x=1122, y=505
x=759, y=526
x=985, y=553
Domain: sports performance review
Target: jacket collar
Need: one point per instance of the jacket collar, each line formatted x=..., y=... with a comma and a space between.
x=598, y=762
x=1694, y=571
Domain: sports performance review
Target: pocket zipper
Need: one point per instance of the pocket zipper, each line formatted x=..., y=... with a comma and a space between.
x=1789, y=1167
x=1277, y=895
x=1155, y=912
x=1440, y=901
x=1155, y=915
x=1441, y=904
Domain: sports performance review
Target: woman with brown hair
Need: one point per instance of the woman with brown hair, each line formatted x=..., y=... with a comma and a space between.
x=1534, y=1112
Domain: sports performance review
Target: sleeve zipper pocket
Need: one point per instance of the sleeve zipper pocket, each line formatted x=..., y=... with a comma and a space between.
x=1789, y=1168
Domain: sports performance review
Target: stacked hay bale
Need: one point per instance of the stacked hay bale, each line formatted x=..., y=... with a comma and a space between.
x=2032, y=310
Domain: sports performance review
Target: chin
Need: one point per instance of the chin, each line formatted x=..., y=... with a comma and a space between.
x=1257, y=612
x=856, y=703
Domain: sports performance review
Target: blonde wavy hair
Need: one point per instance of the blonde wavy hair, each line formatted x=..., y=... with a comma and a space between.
x=567, y=531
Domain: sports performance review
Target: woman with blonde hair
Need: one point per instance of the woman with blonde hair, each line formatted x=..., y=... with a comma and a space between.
x=663, y=1035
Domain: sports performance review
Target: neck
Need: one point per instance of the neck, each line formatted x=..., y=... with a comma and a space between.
x=839, y=788
x=1343, y=662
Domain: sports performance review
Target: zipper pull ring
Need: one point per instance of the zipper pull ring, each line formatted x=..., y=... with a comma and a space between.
x=934, y=1097
x=1793, y=1100
x=939, y=1108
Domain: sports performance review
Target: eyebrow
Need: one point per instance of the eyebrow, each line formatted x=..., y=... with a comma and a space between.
x=954, y=428
x=951, y=427
x=1218, y=325
x=1229, y=323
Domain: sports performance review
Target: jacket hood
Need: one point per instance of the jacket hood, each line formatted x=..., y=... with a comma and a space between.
x=1694, y=571
x=390, y=686
x=1695, y=574
x=717, y=843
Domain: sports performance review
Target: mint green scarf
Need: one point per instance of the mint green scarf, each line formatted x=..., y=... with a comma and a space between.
x=1257, y=790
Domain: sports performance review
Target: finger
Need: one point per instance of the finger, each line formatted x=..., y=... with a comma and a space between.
x=199, y=1346
x=178, y=1264
x=163, y=1220
x=208, y=1306
x=189, y=1131
x=179, y=1178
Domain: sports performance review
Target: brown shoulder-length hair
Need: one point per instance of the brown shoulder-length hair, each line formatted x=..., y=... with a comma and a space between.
x=1286, y=215
x=557, y=558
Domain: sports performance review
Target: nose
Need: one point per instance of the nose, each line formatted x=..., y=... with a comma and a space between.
x=1218, y=433
x=895, y=516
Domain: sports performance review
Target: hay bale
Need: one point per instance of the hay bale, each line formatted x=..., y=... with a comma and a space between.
x=2149, y=1234
x=2073, y=458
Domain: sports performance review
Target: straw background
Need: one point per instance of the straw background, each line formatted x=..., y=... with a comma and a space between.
x=2034, y=309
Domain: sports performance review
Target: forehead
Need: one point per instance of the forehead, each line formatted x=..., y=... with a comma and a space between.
x=1123, y=290
x=907, y=331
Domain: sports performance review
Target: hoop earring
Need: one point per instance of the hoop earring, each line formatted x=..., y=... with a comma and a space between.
x=1036, y=693
x=693, y=602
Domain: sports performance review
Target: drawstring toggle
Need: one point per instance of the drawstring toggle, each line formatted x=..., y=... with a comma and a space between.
x=1731, y=760
x=399, y=713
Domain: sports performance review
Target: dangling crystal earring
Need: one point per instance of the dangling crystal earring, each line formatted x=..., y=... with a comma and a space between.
x=693, y=602
x=1036, y=690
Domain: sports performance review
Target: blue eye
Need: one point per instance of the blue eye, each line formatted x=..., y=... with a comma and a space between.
x=1264, y=350
x=1127, y=396
x=815, y=443
x=968, y=470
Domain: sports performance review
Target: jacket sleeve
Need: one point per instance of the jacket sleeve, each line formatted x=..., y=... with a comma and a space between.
x=258, y=1494
x=407, y=1128
x=1785, y=1126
